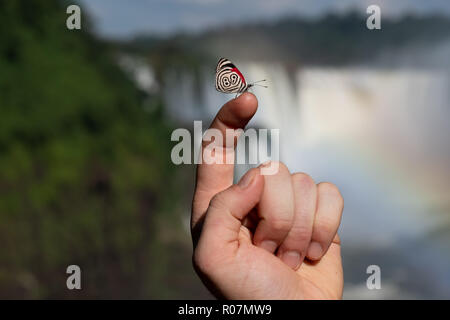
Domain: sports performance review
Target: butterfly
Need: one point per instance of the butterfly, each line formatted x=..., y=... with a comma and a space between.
x=230, y=80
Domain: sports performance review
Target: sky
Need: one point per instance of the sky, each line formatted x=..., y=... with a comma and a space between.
x=126, y=18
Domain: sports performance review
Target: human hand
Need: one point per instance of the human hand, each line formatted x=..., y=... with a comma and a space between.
x=268, y=237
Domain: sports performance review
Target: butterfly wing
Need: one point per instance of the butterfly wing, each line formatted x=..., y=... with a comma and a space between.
x=228, y=78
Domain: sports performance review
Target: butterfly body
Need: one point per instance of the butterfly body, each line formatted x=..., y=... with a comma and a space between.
x=229, y=79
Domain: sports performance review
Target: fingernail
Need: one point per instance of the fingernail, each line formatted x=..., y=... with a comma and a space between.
x=266, y=164
x=247, y=179
x=292, y=259
x=315, y=251
x=269, y=245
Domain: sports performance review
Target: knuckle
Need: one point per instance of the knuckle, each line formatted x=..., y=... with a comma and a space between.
x=303, y=179
x=324, y=228
x=301, y=233
x=218, y=201
x=328, y=187
x=330, y=190
x=280, y=225
x=282, y=167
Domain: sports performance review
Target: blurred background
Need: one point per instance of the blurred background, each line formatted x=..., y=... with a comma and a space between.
x=86, y=117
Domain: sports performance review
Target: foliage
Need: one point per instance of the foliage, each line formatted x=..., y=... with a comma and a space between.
x=84, y=169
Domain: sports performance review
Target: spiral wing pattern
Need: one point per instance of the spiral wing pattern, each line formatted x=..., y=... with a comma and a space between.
x=228, y=78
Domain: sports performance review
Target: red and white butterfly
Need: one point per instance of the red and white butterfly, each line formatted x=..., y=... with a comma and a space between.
x=229, y=79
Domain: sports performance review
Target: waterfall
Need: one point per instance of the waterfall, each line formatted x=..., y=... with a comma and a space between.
x=379, y=134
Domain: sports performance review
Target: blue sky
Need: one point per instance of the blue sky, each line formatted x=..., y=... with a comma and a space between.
x=125, y=18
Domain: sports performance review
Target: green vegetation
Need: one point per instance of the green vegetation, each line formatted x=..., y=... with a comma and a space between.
x=84, y=171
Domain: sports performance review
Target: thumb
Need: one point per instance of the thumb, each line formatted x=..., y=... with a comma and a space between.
x=226, y=211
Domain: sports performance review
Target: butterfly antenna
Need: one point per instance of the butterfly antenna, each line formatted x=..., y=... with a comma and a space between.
x=260, y=85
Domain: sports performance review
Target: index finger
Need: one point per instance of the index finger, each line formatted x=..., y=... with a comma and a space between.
x=216, y=177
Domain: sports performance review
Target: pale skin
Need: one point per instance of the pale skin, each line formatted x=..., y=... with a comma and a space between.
x=268, y=236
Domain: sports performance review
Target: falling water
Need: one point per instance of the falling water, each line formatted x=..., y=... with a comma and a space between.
x=381, y=136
